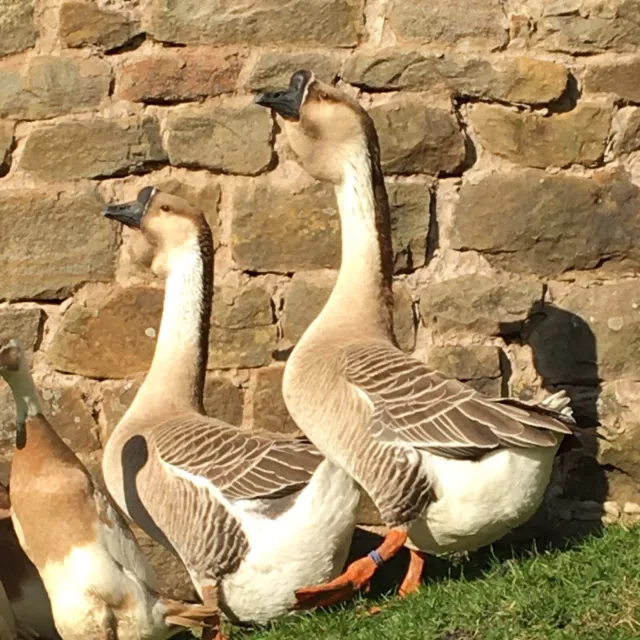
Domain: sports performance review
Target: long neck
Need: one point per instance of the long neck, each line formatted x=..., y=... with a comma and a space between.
x=26, y=399
x=363, y=294
x=176, y=377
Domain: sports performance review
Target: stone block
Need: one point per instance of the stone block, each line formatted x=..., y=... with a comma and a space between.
x=268, y=409
x=52, y=243
x=17, y=29
x=621, y=78
x=21, y=323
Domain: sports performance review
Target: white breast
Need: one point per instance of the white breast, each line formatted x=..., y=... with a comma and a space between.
x=480, y=501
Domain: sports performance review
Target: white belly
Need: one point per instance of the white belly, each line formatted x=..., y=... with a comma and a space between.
x=480, y=501
x=305, y=546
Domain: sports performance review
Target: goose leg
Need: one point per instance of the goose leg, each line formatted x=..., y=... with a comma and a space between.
x=210, y=599
x=356, y=576
x=413, y=578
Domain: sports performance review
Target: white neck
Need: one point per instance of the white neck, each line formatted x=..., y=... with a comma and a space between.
x=173, y=376
x=361, y=293
x=24, y=393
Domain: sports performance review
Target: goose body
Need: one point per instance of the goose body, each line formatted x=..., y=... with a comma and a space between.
x=99, y=583
x=448, y=468
x=7, y=621
x=22, y=583
x=252, y=518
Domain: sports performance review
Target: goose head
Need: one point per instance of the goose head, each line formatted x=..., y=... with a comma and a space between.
x=168, y=223
x=325, y=128
x=11, y=355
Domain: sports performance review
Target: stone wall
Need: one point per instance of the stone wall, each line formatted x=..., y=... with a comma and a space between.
x=510, y=134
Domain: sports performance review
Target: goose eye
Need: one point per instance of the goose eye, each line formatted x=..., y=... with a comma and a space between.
x=164, y=208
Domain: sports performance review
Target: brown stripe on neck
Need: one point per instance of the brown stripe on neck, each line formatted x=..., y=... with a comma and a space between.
x=205, y=243
x=382, y=216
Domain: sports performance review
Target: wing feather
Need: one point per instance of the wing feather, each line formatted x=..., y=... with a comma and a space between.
x=413, y=404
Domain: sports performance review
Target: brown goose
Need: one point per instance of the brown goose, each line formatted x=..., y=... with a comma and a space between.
x=99, y=582
x=448, y=468
x=22, y=583
x=252, y=518
x=7, y=621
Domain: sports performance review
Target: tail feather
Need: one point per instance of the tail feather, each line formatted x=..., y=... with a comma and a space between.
x=185, y=614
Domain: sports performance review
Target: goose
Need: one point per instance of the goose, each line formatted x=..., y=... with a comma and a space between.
x=7, y=621
x=21, y=581
x=99, y=582
x=252, y=518
x=448, y=468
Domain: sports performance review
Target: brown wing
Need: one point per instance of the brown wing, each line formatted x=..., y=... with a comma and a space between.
x=241, y=465
x=413, y=404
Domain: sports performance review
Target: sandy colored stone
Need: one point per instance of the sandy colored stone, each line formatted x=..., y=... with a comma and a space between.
x=6, y=144
x=404, y=321
x=415, y=138
x=478, y=23
x=473, y=362
x=276, y=230
x=620, y=78
x=628, y=138
x=575, y=137
x=53, y=243
x=242, y=348
x=110, y=336
x=549, y=224
x=17, y=29
x=249, y=306
x=49, y=86
x=24, y=324
x=269, y=412
x=179, y=75
x=117, y=396
x=85, y=24
x=410, y=204
x=223, y=400
x=307, y=294
x=93, y=148
x=480, y=304
x=273, y=69
x=597, y=330
x=221, y=139
x=599, y=25
x=262, y=22
x=519, y=80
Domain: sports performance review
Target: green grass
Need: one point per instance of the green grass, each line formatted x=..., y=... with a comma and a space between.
x=590, y=590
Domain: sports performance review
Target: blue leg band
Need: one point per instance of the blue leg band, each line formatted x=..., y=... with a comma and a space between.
x=376, y=557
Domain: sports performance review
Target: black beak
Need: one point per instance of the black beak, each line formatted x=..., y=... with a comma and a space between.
x=129, y=213
x=288, y=101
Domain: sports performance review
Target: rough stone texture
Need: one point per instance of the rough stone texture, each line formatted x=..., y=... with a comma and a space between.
x=327, y=22
x=179, y=75
x=223, y=400
x=221, y=139
x=17, y=29
x=477, y=365
x=245, y=348
x=6, y=144
x=590, y=27
x=50, y=244
x=415, y=138
x=250, y=307
x=93, y=148
x=116, y=398
x=83, y=24
x=519, y=80
x=268, y=410
x=628, y=139
x=50, y=86
x=24, y=324
x=275, y=230
x=479, y=23
x=528, y=232
x=410, y=204
x=599, y=330
x=480, y=304
x=111, y=336
x=621, y=78
x=404, y=321
x=575, y=137
x=273, y=69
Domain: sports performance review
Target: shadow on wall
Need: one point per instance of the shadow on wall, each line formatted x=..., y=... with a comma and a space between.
x=565, y=356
